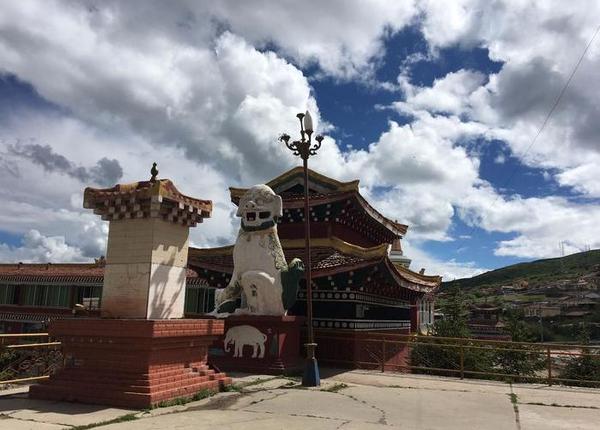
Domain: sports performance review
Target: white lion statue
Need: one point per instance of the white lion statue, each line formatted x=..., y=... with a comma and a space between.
x=262, y=282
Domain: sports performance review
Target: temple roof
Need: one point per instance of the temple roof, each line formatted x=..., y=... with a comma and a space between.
x=72, y=273
x=146, y=199
x=328, y=256
x=325, y=258
x=318, y=183
x=323, y=190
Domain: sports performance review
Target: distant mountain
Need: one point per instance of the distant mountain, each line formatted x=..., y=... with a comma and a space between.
x=535, y=272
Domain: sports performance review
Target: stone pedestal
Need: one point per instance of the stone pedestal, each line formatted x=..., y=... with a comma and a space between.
x=132, y=363
x=259, y=344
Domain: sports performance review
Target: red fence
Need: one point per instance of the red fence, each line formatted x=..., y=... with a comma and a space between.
x=463, y=357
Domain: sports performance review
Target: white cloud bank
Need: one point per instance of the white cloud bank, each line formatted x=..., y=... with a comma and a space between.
x=192, y=86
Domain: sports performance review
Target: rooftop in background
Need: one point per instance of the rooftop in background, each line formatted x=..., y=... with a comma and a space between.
x=61, y=273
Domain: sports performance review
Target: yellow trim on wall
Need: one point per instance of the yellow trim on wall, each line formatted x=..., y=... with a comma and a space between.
x=333, y=242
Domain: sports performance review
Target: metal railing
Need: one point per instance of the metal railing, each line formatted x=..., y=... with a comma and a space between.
x=465, y=357
x=26, y=357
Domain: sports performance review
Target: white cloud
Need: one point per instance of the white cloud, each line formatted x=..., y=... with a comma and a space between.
x=208, y=112
x=37, y=248
x=448, y=269
x=447, y=95
x=343, y=38
x=539, y=223
x=500, y=159
x=539, y=45
x=193, y=86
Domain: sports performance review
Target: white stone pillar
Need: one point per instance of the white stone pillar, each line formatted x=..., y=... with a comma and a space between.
x=146, y=261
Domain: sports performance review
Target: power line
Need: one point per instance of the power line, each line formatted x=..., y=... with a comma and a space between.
x=556, y=102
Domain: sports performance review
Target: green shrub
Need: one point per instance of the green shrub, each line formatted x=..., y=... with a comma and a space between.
x=584, y=369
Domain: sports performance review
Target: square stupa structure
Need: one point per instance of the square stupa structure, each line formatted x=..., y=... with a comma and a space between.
x=147, y=247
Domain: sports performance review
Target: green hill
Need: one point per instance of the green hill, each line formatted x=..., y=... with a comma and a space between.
x=535, y=272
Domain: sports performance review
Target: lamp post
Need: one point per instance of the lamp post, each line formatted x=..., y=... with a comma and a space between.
x=305, y=148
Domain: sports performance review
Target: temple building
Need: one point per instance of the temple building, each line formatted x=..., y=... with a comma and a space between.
x=361, y=279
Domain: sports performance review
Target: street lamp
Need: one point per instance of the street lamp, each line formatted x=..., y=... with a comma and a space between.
x=304, y=148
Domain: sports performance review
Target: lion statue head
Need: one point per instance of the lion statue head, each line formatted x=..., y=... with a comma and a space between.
x=259, y=208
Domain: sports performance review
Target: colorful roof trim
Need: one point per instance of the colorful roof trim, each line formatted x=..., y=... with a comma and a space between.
x=329, y=255
x=328, y=190
x=146, y=199
x=295, y=176
x=403, y=275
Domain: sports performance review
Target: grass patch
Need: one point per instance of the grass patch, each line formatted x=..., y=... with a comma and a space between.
x=121, y=419
x=295, y=378
x=202, y=394
x=233, y=388
x=513, y=398
x=257, y=382
x=335, y=388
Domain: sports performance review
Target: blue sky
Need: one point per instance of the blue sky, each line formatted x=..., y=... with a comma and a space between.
x=433, y=108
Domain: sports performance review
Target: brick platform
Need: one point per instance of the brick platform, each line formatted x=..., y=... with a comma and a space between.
x=132, y=363
x=282, y=349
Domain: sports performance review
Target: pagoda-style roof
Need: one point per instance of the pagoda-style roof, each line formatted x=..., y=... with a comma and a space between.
x=323, y=190
x=157, y=198
x=294, y=180
x=329, y=256
x=326, y=257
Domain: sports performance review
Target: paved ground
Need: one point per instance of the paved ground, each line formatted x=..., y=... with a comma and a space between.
x=346, y=401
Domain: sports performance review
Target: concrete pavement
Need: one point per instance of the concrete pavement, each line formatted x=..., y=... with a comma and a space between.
x=347, y=400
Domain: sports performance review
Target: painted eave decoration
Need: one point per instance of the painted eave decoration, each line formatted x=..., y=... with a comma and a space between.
x=323, y=190
x=338, y=256
x=146, y=199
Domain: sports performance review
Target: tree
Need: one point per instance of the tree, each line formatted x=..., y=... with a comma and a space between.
x=518, y=359
x=586, y=367
x=439, y=353
x=456, y=315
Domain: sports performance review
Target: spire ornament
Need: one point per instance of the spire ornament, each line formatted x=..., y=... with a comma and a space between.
x=153, y=172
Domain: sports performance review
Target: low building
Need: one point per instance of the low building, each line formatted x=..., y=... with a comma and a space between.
x=33, y=294
x=485, y=323
x=541, y=310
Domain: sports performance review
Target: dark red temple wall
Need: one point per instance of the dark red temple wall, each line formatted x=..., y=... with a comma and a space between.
x=296, y=230
x=363, y=349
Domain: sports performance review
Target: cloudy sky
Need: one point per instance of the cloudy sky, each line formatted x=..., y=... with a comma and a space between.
x=434, y=106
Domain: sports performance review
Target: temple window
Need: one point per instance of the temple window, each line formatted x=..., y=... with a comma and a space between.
x=8, y=295
x=46, y=295
x=199, y=299
x=89, y=296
